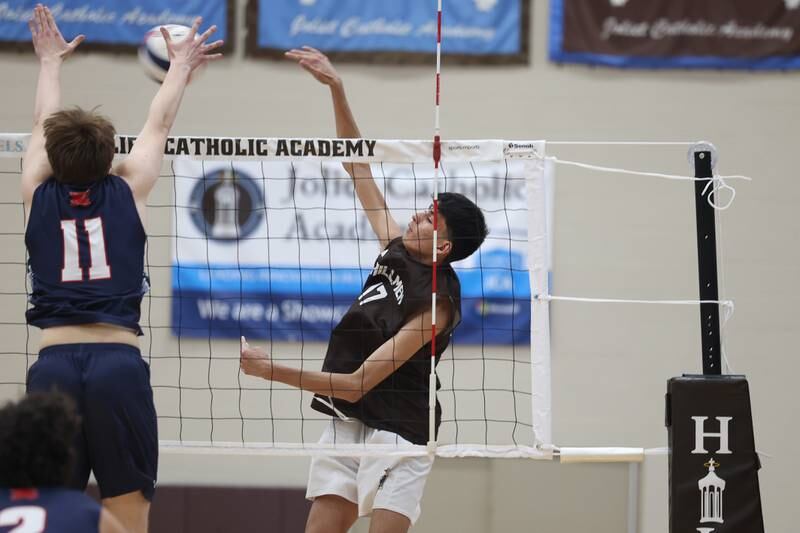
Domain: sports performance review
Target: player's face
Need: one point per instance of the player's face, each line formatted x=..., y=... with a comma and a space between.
x=418, y=236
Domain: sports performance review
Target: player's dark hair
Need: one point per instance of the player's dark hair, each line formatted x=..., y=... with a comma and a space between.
x=466, y=227
x=80, y=146
x=36, y=436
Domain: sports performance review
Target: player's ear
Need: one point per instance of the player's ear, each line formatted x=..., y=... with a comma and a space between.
x=444, y=247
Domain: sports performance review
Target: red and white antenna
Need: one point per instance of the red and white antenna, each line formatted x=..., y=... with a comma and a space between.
x=437, y=154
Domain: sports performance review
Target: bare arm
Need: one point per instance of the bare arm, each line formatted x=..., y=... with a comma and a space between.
x=142, y=167
x=390, y=356
x=109, y=524
x=370, y=196
x=52, y=50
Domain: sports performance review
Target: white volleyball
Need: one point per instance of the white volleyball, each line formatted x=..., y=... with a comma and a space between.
x=153, y=52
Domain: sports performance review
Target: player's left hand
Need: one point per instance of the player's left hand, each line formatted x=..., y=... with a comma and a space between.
x=255, y=361
x=192, y=51
x=48, y=42
x=316, y=63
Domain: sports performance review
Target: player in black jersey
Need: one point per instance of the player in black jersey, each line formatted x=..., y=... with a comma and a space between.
x=86, y=240
x=36, y=459
x=374, y=381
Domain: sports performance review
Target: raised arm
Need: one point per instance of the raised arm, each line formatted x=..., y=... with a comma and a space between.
x=143, y=165
x=390, y=356
x=52, y=50
x=370, y=196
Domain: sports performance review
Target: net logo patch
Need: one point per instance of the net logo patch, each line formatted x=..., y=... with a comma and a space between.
x=227, y=205
x=525, y=150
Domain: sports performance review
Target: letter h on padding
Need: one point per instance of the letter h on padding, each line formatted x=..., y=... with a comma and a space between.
x=700, y=435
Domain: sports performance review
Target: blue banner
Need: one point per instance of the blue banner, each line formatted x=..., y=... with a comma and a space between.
x=113, y=22
x=310, y=315
x=735, y=34
x=287, y=303
x=472, y=28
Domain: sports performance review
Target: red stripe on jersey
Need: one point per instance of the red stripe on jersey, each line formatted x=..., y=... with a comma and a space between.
x=24, y=494
x=79, y=199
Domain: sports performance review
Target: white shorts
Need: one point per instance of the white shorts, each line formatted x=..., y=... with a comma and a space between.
x=391, y=483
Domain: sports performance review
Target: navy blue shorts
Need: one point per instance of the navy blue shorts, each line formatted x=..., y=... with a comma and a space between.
x=110, y=384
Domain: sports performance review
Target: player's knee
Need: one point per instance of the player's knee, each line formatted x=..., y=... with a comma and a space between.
x=331, y=514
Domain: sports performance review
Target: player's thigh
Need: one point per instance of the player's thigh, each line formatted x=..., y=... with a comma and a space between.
x=121, y=425
x=334, y=475
x=331, y=514
x=62, y=370
x=393, y=485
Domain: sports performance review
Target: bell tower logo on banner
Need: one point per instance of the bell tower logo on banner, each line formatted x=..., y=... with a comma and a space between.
x=711, y=488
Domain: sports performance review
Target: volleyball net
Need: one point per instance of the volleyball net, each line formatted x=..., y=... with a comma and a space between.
x=265, y=238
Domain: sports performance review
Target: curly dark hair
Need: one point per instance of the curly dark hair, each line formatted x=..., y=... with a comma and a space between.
x=36, y=436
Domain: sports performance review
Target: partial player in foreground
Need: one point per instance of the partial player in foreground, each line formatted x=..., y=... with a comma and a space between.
x=85, y=237
x=36, y=460
x=374, y=381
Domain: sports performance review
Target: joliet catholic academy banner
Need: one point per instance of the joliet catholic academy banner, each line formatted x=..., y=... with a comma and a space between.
x=743, y=34
x=473, y=31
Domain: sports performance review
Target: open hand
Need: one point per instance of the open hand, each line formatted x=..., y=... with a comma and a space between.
x=192, y=52
x=255, y=361
x=48, y=42
x=316, y=63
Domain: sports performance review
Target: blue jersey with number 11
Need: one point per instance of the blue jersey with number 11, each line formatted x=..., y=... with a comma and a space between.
x=86, y=255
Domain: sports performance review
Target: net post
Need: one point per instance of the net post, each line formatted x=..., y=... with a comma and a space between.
x=703, y=159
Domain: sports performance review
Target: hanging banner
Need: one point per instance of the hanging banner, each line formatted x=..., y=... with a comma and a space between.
x=473, y=31
x=114, y=24
x=280, y=250
x=736, y=34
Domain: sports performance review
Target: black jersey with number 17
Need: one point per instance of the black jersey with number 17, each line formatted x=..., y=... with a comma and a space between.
x=398, y=288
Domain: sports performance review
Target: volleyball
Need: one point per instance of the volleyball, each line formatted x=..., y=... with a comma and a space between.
x=153, y=53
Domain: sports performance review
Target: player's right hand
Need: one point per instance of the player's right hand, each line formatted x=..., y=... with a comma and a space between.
x=254, y=361
x=48, y=42
x=316, y=63
x=192, y=52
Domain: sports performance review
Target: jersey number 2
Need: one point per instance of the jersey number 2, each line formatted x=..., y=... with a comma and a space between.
x=27, y=518
x=98, y=267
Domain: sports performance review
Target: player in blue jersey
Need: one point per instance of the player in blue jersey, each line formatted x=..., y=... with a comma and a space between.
x=86, y=239
x=36, y=458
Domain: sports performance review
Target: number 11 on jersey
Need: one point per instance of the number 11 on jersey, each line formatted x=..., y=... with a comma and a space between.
x=98, y=266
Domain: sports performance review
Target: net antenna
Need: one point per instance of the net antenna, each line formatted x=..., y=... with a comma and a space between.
x=437, y=155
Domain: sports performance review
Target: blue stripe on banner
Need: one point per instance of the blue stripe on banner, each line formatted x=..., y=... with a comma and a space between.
x=311, y=319
x=475, y=27
x=766, y=63
x=488, y=281
x=111, y=21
